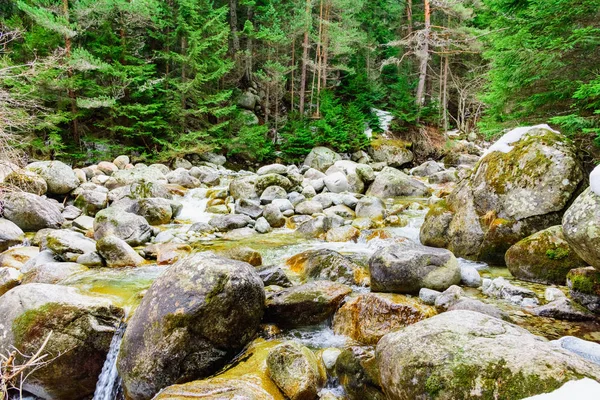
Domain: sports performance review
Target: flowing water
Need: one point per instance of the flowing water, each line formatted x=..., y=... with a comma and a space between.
x=109, y=385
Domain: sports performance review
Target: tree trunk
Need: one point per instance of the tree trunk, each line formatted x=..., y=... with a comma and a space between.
x=304, y=58
x=445, y=93
x=234, y=46
x=319, y=59
x=409, y=16
x=249, y=44
x=70, y=91
x=424, y=57
x=292, y=68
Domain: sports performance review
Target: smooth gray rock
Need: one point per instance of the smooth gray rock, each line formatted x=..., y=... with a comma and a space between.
x=117, y=253
x=391, y=182
x=132, y=228
x=10, y=234
x=59, y=177
x=30, y=212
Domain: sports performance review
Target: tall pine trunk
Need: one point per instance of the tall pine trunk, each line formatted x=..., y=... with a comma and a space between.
x=304, y=58
x=233, y=22
x=70, y=91
x=424, y=57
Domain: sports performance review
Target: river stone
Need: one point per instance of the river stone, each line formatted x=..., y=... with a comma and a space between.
x=444, y=177
x=272, y=193
x=82, y=329
x=508, y=197
x=274, y=216
x=367, y=317
x=250, y=208
x=358, y=373
x=427, y=168
x=325, y=264
x=140, y=175
x=224, y=223
x=584, y=285
x=503, y=289
x=16, y=257
x=262, y=225
x=27, y=181
x=391, y=182
x=394, y=153
x=243, y=188
x=273, y=169
x=59, y=177
x=295, y=370
x=406, y=267
x=370, y=207
x=121, y=161
x=321, y=158
x=583, y=348
x=207, y=175
x=306, y=304
x=470, y=355
x=563, y=309
x=182, y=177
x=194, y=319
x=9, y=278
x=53, y=273
x=30, y=212
x=216, y=389
x=309, y=207
x=117, y=253
x=342, y=234
x=67, y=245
x=336, y=182
x=466, y=303
x=245, y=254
x=10, y=235
x=313, y=227
x=156, y=211
x=469, y=276
x=581, y=227
x=544, y=257
x=264, y=181
x=6, y=167
x=274, y=276
x=132, y=228
x=365, y=173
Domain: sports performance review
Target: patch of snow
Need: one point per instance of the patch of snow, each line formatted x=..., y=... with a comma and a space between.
x=595, y=180
x=504, y=143
x=584, y=389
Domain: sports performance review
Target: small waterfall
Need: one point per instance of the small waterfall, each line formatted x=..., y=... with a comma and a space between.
x=109, y=383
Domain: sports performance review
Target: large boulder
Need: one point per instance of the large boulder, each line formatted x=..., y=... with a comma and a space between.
x=394, y=153
x=321, y=158
x=584, y=285
x=59, y=177
x=326, y=265
x=469, y=355
x=306, y=304
x=216, y=389
x=52, y=272
x=406, y=267
x=357, y=370
x=79, y=330
x=522, y=185
x=130, y=227
x=265, y=181
x=224, y=223
x=296, y=371
x=367, y=317
x=10, y=234
x=140, y=175
x=195, y=317
x=67, y=245
x=243, y=188
x=391, y=182
x=581, y=227
x=27, y=181
x=543, y=257
x=117, y=253
x=32, y=213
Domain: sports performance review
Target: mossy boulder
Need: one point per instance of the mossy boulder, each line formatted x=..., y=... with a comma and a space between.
x=391, y=182
x=243, y=188
x=245, y=254
x=92, y=201
x=194, y=319
x=117, y=253
x=581, y=226
x=67, y=245
x=367, y=317
x=327, y=265
x=509, y=196
x=156, y=211
x=357, y=371
x=31, y=212
x=140, y=175
x=394, y=153
x=469, y=355
x=321, y=158
x=10, y=234
x=584, y=285
x=406, y=267
x=132, y=228
x=296, y=371
x=306, y=304
x=80, y=329
x=52, y=272
x=265, y=181
x=27, y=181
x=216, y=389
x=544, y=257
x=59, y=177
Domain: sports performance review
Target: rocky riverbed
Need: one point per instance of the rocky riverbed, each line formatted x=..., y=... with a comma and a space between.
x=357, y=276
